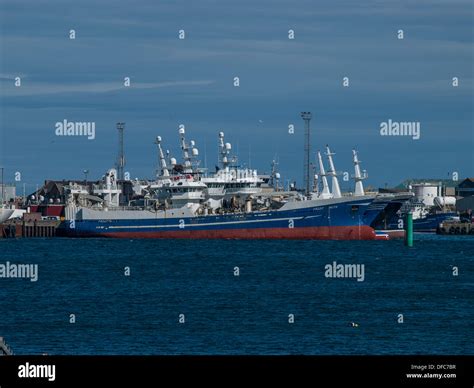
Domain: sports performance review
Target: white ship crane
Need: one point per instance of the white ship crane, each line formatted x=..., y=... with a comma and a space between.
x=325, y=193
x=336, y=190
x=358, y=176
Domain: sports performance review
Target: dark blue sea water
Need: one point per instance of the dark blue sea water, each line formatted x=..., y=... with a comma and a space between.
x=248, y=314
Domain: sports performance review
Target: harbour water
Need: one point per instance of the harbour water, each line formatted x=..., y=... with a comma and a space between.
x=245, y=314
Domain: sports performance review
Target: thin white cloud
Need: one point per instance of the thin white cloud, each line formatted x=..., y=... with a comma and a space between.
x=29, y=89
x=11, y=77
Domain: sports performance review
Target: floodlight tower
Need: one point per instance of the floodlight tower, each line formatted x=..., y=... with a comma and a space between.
x=121, y=154
x=306, y=116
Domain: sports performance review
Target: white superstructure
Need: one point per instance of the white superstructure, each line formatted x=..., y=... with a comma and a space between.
x=229, y=180
x=109, y=190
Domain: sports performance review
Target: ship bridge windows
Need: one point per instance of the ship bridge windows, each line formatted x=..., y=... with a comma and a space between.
x=236, y=185
x=184, y=190
x=214, y=185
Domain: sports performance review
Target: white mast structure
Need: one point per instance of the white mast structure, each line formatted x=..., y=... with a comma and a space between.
x=336, y=190
x=275, y=176
x=224, y=151
x=325, y=193
x=187, y=155
x=171, y=160
x=164, y=168
x=316, y=185
x=358, y=177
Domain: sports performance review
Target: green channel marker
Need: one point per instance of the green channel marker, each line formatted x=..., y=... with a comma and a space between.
x=409, y=230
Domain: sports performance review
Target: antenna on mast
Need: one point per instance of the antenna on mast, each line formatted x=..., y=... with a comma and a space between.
x=164, y=167
x=224, y=152
x=275, y=176
x=190, y=153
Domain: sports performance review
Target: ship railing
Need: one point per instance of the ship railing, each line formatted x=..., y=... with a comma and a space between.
x=117, y=208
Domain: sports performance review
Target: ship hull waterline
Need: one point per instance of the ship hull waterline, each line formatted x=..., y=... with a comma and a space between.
x=362, y=232
x=335, y=219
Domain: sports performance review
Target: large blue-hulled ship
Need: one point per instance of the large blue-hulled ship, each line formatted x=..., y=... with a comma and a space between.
x=233, y=203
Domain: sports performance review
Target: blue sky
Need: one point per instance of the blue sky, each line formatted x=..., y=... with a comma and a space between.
x=190, y=82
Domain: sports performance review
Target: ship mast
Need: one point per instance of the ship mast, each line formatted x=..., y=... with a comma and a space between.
x=189, y=153
x=185, y=148
x=322, y=173
x=336, y=190
x=164, y=167
x=171, y=160
x=224, y=151
x=316, y=184
x=359, y=187
x=275, y=176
